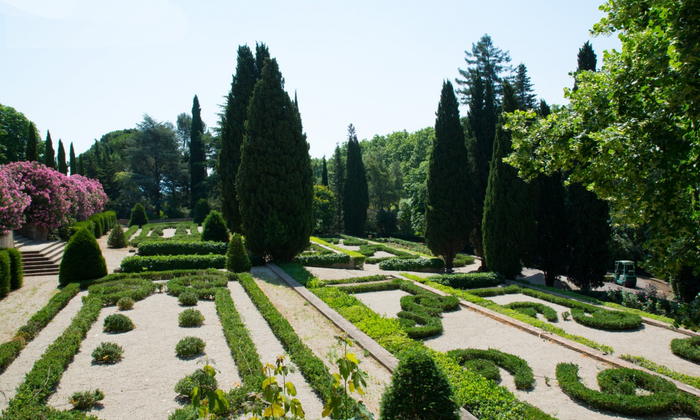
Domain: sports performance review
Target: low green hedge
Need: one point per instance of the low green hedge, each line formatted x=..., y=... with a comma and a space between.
x=111, y=291
x=368, y=250
x=366, y=279
x=469, y=280
x=603, y=319
x=533, y=308
x=693, y=381
x=16, y=267
x=137, y=264
x=687, y=348
x=182, y=248
x=350, y=241
x=357, y=258
x=322, y=260
x=397, y=264
x=205, y=286
x=518, y=367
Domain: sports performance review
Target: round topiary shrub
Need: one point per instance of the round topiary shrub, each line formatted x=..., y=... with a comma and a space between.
x=117, y=239
x=214, y=228
x=190, y=318
x=126, y=303
x=82, y=259
x=199, y=378
x=5, y=277
x=118, y=323
x=188, y=298
x=418, y=390
x=107, y=353
x=16, y=268
x=138, y=216
x=236, y=257
x=687, y=348
x=189, y=346
x=201, y=211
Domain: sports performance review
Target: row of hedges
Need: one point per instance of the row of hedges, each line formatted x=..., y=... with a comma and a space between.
x=397, y=264
x=469, y=280
x=112, y=291
x=182, y=248
x=357, y=258
x=98, y=224
x=138, y=264
x=11, y=270
x=181, y=233
x=411, y=246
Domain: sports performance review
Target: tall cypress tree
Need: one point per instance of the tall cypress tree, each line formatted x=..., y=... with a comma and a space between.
x=49, y=154
x=73, y=162
x=448, y=214
x=338, y=186
x=262, y=53
x=275, y=180
x=81, y=166
x=356, y=196
x=509, y=226
x=232, y=131
x=61, y=157
x=587, y=60
x=324, y=173
x=31, y=143
x=198, y=168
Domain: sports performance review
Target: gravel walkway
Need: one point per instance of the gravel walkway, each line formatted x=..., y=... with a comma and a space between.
x=141, y=384
x=169, y=232
x=386, y=303
x=17, y=307
x=269, y=348
x=14, y=374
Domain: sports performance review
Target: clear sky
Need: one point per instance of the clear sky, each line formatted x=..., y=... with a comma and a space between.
x=82, y=68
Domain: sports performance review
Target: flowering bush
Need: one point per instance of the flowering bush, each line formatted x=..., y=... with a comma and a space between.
x=46, y=197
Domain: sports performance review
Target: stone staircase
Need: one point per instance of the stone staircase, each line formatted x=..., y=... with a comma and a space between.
x=40, y=258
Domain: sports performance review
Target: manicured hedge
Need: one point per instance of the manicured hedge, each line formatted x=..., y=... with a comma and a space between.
x=411, y=264
x=357, y=258
x=322, y=260
x=111, y=291
x=366, y=279
x=205, y=286
x=5, y=273
x=518, y=367
x=16, y=267
x=687, y=348
x=82, y=260
x=533, y=308
x=137, y=264
x=182, y=248
x=603, y=319
x=469, y=280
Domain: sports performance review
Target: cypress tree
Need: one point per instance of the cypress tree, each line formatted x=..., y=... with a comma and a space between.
x=324, y=173
x=275, y=180
x=62, y=166
x=49, y=154
x=198, y=169
x=523, y=88
x=73, y=162
x=81, y=166
x=587, y=60
x=356, y=196
x=509, y=225
x=232, y=131
x=31, y=143
x=262, y=53
x=339, y=186
x=449, y=209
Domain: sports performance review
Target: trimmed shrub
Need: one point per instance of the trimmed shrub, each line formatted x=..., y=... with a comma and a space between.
x=604, y=319
x=468, y=280
x=117, y=238
x=16, y=268
x=214, y=228
x=201, y=211
x=82, y=260
x=98, y=222
x=199, y=378
x=519, y=368
x=188, y=298
x=138, y=264
x=126, y=303
x=118, y=323
x=182, y=248
x=86, y=400
x=411, y=264
x=107, y=353
x=190, y=318
x=418, y=391
x=138, y=216
x=687, y=348
x=322, y=260
x=237, y=258
x=189, y=346
x=533, y=308
x=112, y=291
x=204, y=286
x=5, y=270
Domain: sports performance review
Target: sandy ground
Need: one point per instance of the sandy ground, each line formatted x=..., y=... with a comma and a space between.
x=141, y=384
x=113, y=256
x=17, y=307
x=650, y=342
x=386, y=303
x=168, y=233
x=318, y=333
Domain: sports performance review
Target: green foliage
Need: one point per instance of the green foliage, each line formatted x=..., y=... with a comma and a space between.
x=204, y=286
x=138, y=216
x=214, y=228
x=118, y=323
x=366, y=279
x=198, y=379
x=189, y=346
x=18, y=136
x=5, y=273
x=49, y=153
x=468, y=280
x=603, y=319
x=551, y=227
x=82, y=259
x=198, y=167
x=418, y=391
x=449, y=217
x=188, y=298
x=687, y=348
x=322, y=260
x=237, y=259
x=693, y=381
x=117, y=238
x=137, y=264
x=349, y=379
x=181, y=233
x=107, y=353
x=201, y=211
x=16, y=267
x=518, y=367
x=357, y=258
x=126, y=303
x=111, y=291
x=350, y=241
x=275, y=158
x=276, y=399
x=412, y=264
x=182, y=248
x=190, y=318
x=355, y=195
x=324, y=208
x=533, y=308
x=86, y=400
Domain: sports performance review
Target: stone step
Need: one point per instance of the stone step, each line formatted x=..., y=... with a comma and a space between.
x=41, y=271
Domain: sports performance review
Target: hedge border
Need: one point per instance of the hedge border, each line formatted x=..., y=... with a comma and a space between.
x=137, y=264
x=131, y=287
x=176, y=247
x=357, y=258
x=179, y=285
x=517, y=366
x=539, y=308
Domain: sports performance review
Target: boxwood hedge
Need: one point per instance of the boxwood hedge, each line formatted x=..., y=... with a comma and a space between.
x=138, y=264
x=411, y=264
x=182, y=248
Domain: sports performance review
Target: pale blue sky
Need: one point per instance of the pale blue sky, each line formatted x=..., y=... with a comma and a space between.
x=82, y=68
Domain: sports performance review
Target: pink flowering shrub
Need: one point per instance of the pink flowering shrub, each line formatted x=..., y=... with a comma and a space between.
x=13, y=202
x=53, y=197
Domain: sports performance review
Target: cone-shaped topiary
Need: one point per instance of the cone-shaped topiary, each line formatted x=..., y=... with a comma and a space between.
x=117, y=239
x=138, y=216
x=236, y=258
x=418, y=390
x=214, y=228
x=82, y=259
x=4, y=273
x=201, y=211
x=16, y=268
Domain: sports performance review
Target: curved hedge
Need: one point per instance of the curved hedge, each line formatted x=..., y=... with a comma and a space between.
x=687, y=348
x=138, y=264
x=534, y=308
x=182, y=248
x=110, y=292
x=603, y=319
x=205, y=286
x=518, y=367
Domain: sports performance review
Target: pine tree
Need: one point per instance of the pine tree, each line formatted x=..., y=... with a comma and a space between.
x=324, y=173
x=338, y=186
x=587, y=60
x=523, y=88
x=449, y=207
x=355, y=196
x=73, y=162
x=198, y=168
x=489, y=61
x=509, y=226
x=61, y=157
x=31, y=143
x=232, y=131
x=81, y=166
x=275, y=180
x=49, y=154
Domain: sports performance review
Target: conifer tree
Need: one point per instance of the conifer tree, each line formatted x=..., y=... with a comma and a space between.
x=509, y=226
x=324, y=173
x=49, y=154
x=198, y=168
x=275, y=180
x=523, y=88
x=449, y=206
x=81, y=166
x=31, y=143
x=338, y=186
x=587, y=60
x=61, y=157
x=489, y=61
x=73, y=161
x=232, y=131
x=355, y=195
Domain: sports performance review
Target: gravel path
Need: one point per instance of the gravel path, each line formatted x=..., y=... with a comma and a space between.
x=14, y=374
x=650, y=342
x=318, y=333
x=386, y=303
x=269, y=348
x=17, y=307
x=113, y=256
x=141, y=384
x=169, y=232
